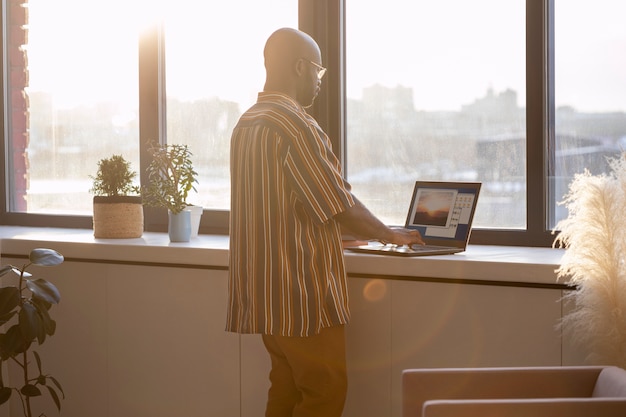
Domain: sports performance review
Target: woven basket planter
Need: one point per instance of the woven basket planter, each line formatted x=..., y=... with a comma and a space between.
x=119, y=217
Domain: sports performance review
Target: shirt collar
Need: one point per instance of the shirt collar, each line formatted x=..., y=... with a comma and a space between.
x=276, y=96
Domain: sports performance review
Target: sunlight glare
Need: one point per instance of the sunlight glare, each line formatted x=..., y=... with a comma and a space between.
x=84, y=52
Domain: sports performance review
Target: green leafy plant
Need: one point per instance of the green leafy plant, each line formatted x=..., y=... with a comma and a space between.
x=114, y=177
x=171, y=177
x=24, y=309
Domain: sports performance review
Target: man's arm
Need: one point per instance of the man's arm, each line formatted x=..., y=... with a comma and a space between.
x=364, y=225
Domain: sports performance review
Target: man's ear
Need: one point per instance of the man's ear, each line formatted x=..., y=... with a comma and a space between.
x=299, y=67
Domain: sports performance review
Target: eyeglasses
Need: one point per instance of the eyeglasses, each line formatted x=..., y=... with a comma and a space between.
x=320, y=69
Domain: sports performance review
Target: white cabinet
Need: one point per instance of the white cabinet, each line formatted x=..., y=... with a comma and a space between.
x=168, y=351
x=255, y=369
x=141, y=341
x=138, y=339
x=409, y=324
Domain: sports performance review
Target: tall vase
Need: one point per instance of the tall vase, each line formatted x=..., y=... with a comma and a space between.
x=179, y=226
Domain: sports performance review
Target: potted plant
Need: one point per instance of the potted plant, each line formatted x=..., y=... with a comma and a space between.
x=117, y=205
x=594, y=238
x=24, y=313
x=171, y=177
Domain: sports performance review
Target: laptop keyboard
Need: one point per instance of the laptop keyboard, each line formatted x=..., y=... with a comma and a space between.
x=413, y=248
x=426, y=247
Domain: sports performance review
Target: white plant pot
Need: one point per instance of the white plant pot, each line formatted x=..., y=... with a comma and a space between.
x=179, y=226
x=196, y=215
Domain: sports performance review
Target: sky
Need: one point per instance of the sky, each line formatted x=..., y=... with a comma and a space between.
x=432, y=46
x=449, y=54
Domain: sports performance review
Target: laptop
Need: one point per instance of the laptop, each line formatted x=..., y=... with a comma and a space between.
x=442, y=212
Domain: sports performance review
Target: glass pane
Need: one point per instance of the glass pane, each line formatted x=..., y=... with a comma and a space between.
x=214, y=70
x=74, y=99
x=437, y=92
x=590, y=90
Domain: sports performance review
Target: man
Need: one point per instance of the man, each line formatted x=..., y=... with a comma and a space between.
x=288, y=205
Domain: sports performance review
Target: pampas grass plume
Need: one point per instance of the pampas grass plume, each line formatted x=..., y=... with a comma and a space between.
x=594, y=238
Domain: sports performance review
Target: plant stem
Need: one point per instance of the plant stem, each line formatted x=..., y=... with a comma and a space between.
x=28, y=411
x=21, y=283
x=17, y=362
x=22, y=401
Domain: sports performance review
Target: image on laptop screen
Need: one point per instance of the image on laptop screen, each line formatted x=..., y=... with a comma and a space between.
x=443, y=211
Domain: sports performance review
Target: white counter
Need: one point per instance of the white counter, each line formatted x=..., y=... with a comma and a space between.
x=503, y=264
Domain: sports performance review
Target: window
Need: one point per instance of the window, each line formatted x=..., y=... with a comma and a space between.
x=513, y=94
x=72, y=100
x=590, y=88
x=214, y=70
x=437, y=92
x=75, y=94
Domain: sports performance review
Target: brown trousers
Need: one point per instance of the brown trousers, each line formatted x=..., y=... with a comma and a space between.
x=308, y=376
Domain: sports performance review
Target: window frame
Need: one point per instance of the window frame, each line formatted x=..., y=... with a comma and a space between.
x=325, y=21
x=539, y=105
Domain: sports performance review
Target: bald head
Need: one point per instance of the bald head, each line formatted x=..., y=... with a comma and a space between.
x=288, y=55
x=285, y=46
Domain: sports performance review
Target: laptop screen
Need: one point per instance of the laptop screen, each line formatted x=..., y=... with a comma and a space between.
x=443, y=211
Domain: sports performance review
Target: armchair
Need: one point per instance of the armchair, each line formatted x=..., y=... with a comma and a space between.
x=565, y=391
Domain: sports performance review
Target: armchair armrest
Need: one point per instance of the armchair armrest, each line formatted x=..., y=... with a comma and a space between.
x=557, y=407
x=421, y=385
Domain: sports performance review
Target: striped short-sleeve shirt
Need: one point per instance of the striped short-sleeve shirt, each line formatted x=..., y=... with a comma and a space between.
x=286, y=268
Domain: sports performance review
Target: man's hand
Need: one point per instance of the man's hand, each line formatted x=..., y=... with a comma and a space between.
x=359, y=222
x=401, y=236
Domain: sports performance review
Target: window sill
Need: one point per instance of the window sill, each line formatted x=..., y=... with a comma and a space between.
x=480, y=264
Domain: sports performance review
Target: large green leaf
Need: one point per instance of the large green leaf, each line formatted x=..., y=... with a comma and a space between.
x=44, y=290
x=55, y=397
x=5, y=269
x=30, y=323
x=50, y=328
x=58, y=385
x=5, y=394
x=48, y=325
x=9, y=299
x=6, y=317
x=45, y=257
x=41, y=303
x=30, y=390
x=4, y=353
x=13, y=342
x=19, y=272
x=38, y=360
